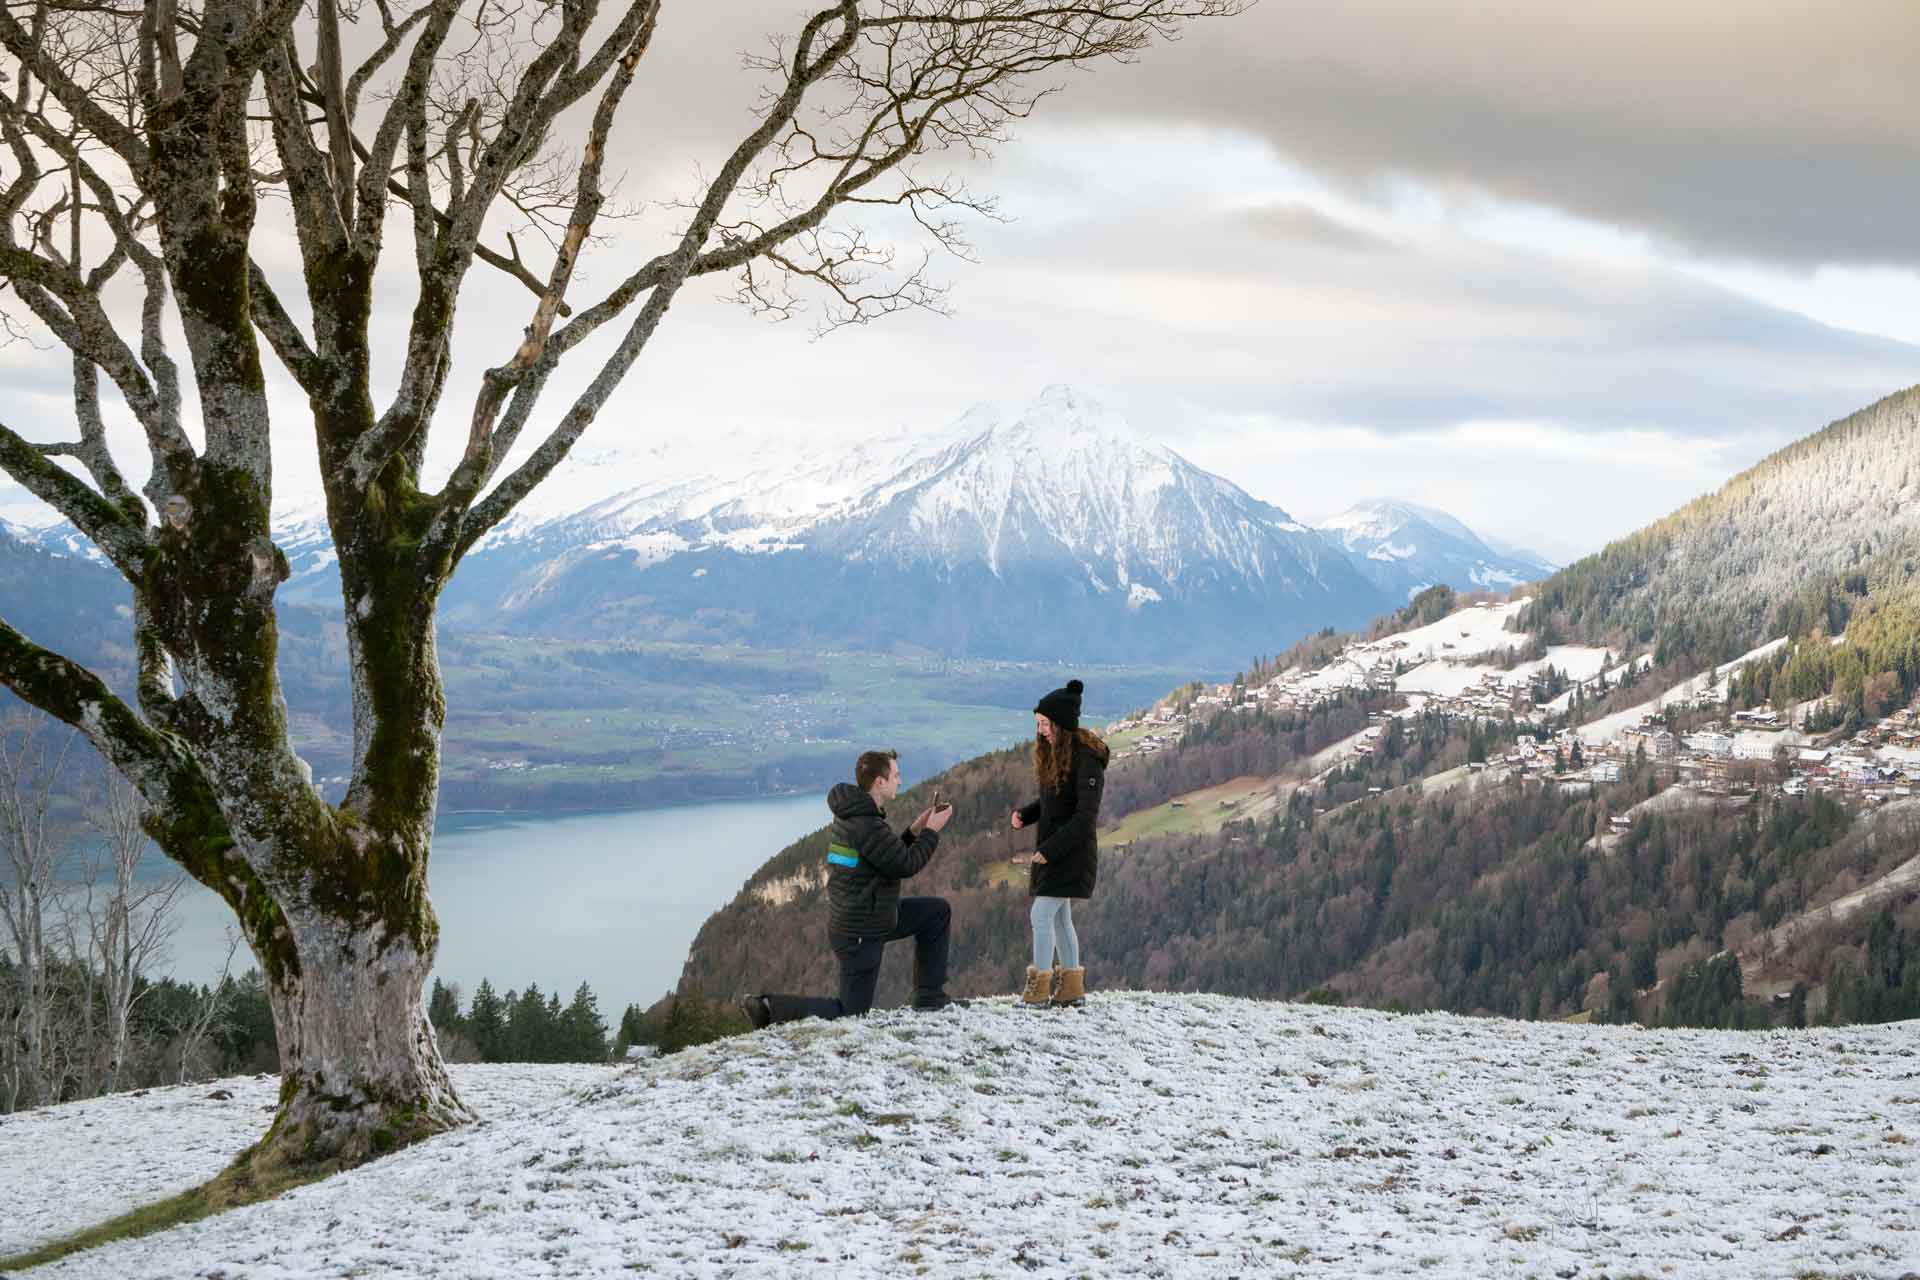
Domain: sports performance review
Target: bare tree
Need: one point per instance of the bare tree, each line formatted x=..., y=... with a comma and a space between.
x=12, y=1069
x=206, y=1015
x=30, y=856
x=128, y=923
x=145, y=142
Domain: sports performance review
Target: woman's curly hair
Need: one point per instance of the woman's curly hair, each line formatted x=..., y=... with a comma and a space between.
x=1052, y=764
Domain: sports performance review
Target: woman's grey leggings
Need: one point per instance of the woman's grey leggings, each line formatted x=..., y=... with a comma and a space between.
x=1053, y=927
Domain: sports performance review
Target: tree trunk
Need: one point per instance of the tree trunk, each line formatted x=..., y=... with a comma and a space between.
x=361, y=1073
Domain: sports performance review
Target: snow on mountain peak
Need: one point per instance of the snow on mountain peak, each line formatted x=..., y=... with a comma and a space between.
x=1406, y=547
x=1067, y=477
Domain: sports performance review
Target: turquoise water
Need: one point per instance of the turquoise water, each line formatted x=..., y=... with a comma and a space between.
x=610, y=899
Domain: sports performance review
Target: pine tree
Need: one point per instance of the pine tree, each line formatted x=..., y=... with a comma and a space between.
x=583, y=1030
x=527, y=1035
x=487, y=1023
x=632, y=1031
x=552, y=1045
x=443, y=1008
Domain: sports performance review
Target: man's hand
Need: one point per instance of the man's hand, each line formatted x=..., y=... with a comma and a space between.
x=1018, y=821
x=919, y=822
x=936, y=819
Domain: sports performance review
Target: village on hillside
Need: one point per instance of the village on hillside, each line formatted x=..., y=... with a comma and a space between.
x=1463, y=667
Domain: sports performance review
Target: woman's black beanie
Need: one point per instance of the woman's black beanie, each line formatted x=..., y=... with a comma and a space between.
x=1062, y=706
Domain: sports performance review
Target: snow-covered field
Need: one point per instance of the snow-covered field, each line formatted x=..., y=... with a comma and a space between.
x=1455, y=651
x=67, y=1168
x=1148, y=1135
x=1481, y=629
x=1709, y=685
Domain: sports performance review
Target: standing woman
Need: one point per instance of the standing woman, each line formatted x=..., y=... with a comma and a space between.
x=1070, y=764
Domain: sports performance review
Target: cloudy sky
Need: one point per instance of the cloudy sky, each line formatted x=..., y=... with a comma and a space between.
x=1553, y=269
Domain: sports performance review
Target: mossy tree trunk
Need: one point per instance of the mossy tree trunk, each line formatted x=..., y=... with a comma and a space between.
x=161, y=181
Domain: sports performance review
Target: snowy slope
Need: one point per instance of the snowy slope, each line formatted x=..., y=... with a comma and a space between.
x=1407, y=548
x=1709, y=686
x=1441, y=657
x=71, y=1166
x=1149, y=1135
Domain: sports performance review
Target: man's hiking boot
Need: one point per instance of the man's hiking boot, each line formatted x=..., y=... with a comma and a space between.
x=936, y=1002
x=1039, y=988
x=1070, y=988
x=758, y=1011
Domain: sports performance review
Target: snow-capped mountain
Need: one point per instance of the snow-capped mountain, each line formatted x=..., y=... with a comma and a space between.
x=1051, y=531
x=1047, y=531
x=58, y=591
x=1406, y=548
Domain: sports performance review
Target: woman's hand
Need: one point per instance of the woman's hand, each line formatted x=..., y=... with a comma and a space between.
x=1018, y=821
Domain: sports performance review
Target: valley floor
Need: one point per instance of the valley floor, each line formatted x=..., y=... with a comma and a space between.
x=1148, y=1135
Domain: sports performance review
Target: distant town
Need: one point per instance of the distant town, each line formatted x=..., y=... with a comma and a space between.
x=1461, y=668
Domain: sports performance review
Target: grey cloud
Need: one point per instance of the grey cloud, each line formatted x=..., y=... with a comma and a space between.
x=1783, y=133
x=1303, y=224
x=1429, y=335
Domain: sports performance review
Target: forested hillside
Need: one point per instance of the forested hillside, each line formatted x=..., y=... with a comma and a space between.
x=1793, y=543
x=1490, y=902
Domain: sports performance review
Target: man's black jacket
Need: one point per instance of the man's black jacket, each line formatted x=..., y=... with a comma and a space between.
x=863, y=900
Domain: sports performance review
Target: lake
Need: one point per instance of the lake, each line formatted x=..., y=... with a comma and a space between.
x=609, y=899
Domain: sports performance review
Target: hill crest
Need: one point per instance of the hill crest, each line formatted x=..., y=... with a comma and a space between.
x=1148, y=1134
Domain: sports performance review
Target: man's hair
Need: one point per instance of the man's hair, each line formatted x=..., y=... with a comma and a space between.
x=873, y=766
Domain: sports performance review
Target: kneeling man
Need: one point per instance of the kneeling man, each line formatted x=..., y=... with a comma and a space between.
x=866, y=862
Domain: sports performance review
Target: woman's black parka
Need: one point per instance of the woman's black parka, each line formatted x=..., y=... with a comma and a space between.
x=1067, y=818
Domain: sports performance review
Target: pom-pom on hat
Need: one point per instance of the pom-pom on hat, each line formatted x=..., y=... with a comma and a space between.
x=1062, y=706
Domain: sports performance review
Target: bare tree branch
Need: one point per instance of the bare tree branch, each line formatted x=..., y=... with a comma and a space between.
x=72, y=97
x=476, y=465
x=116, y=530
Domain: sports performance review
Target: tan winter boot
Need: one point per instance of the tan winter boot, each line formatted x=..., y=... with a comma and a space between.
x=1070, y=988
x=1039, y=988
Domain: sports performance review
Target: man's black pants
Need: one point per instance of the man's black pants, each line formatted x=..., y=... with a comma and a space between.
x=928, y=921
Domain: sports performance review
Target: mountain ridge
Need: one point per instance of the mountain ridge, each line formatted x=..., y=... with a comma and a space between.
x=965, y=536
x=1060, y=506
x=1832, y=516
x=1406, y=548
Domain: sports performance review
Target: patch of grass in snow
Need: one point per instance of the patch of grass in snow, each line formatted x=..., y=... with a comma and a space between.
x=237, y=1186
